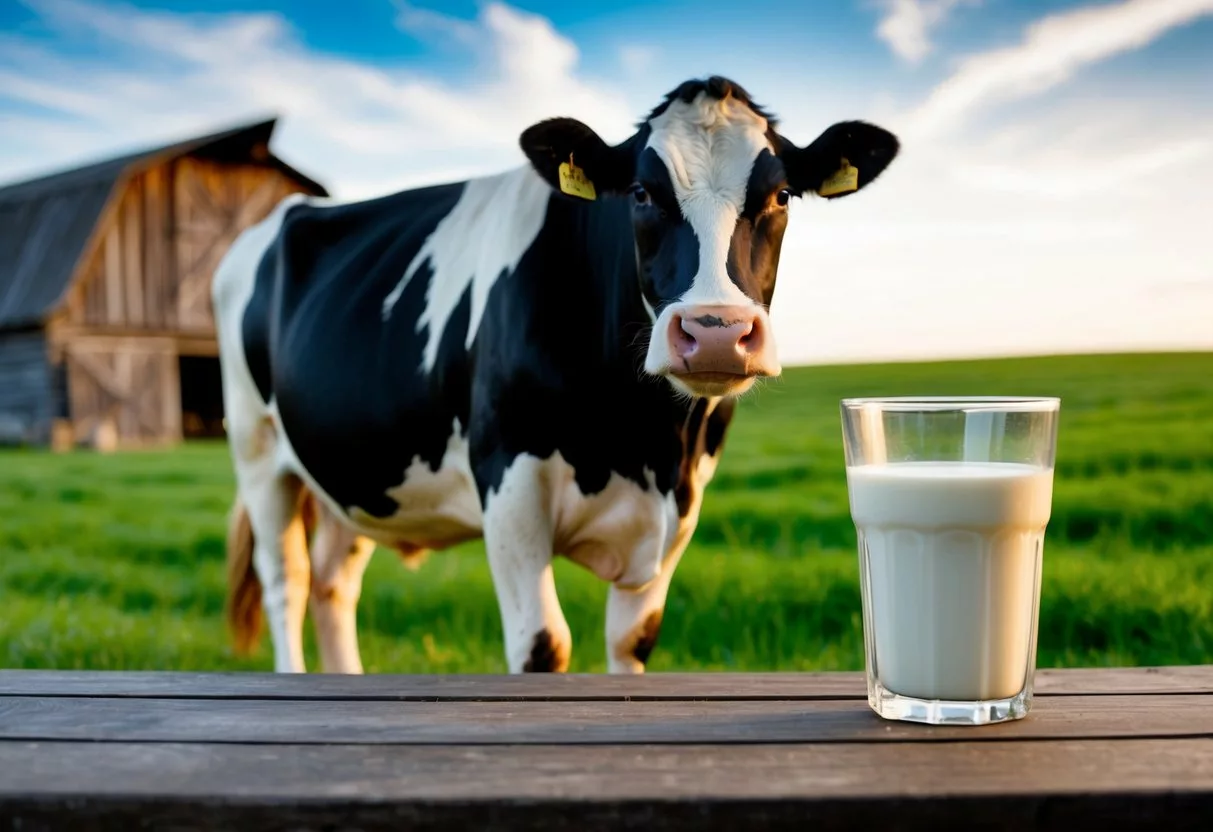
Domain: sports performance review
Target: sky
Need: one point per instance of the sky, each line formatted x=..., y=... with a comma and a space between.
x=1053, y=193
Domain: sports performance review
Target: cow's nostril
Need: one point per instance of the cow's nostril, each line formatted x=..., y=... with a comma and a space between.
x=684, y=335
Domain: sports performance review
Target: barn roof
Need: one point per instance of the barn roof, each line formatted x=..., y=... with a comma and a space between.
x=45, y=223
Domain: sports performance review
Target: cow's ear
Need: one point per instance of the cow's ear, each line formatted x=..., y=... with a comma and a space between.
x=569, y=154
x=844, y=159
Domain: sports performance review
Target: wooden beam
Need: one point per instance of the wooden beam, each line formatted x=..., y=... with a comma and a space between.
x=581, y=723
x=184, y=343
x=564, y=687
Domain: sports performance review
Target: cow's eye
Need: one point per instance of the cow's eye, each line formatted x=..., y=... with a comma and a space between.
x=782, y=197
x=640, y=195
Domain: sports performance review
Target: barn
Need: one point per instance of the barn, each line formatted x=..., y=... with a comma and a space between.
x=106, y=333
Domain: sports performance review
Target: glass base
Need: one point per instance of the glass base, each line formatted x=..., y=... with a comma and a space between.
x=894, y=706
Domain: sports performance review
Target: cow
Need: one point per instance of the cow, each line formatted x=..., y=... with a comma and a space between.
x=547, y=359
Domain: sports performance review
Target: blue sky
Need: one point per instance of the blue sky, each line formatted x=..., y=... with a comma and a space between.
x=1053, y=192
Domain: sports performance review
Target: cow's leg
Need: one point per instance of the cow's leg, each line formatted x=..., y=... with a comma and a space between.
x=633, y=616
x=280, y=559
x=518, y=539
x=339, y=557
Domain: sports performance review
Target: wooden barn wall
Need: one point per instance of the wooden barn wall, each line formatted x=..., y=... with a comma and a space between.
x=27, y=400
x=159, y=243
x=123, y=391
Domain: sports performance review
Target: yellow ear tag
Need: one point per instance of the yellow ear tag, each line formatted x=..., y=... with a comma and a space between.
x=574, y=182
x=845, y=179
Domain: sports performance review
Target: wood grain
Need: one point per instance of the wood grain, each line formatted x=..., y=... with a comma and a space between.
x=996, y=785
x=1120, y=749
x=558, y=687
x=605, y=722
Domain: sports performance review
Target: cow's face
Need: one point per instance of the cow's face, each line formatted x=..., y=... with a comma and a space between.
x=709, y=180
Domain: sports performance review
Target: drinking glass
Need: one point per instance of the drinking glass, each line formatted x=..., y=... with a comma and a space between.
x=950, y=498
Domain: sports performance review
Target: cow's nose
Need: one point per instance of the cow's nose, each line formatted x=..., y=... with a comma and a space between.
x=720, y=340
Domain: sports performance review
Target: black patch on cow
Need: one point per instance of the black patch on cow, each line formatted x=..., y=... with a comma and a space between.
x=700, y=436
x=562, y=350
x=666, y=245
x=544, y=657
x=653, y=175
x=351, y=390
x=647, y=639
x=692, y=432
x=767, y=177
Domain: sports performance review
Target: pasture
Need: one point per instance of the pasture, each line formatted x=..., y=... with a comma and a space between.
x=116, y=562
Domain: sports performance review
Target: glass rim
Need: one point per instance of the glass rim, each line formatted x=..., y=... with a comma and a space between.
x=1029, y=404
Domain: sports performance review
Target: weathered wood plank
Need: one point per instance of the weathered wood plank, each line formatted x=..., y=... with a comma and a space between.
x=112, y=272
x=712, y=686
x=436, y=687
x=1147, y=784
x=607, y=722
x=154, y=223
x=696, y=771
x=133, y=264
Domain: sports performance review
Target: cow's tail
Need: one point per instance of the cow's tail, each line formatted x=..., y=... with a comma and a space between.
x=245, y=617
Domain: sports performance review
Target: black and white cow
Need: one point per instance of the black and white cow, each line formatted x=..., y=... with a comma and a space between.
x=500, y=358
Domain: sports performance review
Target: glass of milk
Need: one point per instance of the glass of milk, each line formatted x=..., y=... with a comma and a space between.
x=950, y=498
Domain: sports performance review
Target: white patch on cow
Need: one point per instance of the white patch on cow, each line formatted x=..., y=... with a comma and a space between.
x=495, y=221
x=518, y=535
x=709, y=147
x=437, y=509
x=620, y=533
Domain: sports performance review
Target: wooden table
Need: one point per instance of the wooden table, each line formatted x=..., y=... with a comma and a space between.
x=1118, y=748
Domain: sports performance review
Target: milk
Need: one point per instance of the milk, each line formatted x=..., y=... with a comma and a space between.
x=953, y=553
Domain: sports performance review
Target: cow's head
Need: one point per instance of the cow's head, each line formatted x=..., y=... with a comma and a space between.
x=710, y=178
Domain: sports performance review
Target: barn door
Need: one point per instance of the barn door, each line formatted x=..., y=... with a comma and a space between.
x=212, y=204
x=123, y=392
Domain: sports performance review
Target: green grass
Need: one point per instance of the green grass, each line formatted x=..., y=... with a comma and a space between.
x=116, y=562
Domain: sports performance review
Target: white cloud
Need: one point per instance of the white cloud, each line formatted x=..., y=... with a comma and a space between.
x=906, y=25
x=1123, y=174
x=1052, y=50
x=418, y=21
x=163, y=75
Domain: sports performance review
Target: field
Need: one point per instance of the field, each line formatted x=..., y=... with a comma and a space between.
x=116, y=562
